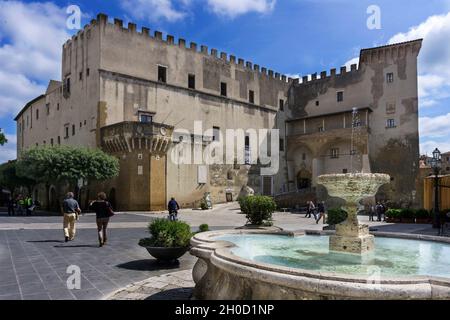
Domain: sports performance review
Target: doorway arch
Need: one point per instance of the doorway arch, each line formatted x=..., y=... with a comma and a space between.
x=304, y=178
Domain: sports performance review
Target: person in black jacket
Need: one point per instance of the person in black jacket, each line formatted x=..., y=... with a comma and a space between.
x=173, y=208
x=103, y=211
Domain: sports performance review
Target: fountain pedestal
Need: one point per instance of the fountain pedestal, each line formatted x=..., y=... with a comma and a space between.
x=351, y=236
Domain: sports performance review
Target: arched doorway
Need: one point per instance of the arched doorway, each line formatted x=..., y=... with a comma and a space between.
x=112, y=197
x=303, y=179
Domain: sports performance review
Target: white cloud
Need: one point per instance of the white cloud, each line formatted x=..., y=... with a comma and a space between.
x=154, y=10
x=435, y=127
x=8, y=151
x=31, y=36
x=233, y=8
x=434, y=58
x=349, y=63
x=174, y=10
x=428, y=146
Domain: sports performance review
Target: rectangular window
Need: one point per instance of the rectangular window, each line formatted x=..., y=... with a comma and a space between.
x=281, y=144
x=251, y=96
x=37, y=114
x=73, y=129
x=47, y=107
x=191, y=81
x=390, y=123
x=81, y=76
x=216, y=134
x=344, y=171
x=81, y=124
x=66, y=88
x=59, y=140
x=223, y=89
x=87, y=72
x=162, y=74
x=145, y=117
x=57, y=106
x=66, y=129
x=317, y=103
x=390, y=77
x=281, y=105
x=334, y=153
x=340, y=96
x=51, y=142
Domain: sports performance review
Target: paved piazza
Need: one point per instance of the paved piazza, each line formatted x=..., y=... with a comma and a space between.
x=34, y=257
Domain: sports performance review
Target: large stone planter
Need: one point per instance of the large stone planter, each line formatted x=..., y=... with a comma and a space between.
x=166, y=254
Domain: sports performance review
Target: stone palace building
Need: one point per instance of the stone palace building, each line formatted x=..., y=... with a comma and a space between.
x=126, y=91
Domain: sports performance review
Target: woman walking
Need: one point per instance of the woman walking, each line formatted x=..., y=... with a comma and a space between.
x=103, y=211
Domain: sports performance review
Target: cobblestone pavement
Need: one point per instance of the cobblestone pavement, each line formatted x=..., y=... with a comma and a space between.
x=34, y=258
x=172, y=286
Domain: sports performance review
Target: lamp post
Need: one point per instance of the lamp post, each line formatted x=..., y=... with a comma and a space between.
x=436, y=165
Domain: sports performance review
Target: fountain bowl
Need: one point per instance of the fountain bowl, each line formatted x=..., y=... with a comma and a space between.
x=221, y=274
x=353, y=187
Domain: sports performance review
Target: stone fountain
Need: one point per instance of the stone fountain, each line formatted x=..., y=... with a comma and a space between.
x=351, y=236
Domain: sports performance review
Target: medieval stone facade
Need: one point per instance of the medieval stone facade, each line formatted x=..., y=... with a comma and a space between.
x=127, y=92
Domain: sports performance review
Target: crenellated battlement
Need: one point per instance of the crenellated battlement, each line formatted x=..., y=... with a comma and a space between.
x=324, y=75
x=102, y=20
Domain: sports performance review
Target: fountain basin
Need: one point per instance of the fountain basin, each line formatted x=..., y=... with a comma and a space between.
x=227, y=269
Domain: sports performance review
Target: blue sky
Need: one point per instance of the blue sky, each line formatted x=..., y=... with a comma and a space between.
x=296, y=37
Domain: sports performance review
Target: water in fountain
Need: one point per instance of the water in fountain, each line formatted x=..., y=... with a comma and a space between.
x=355, y=142
x=351, y=236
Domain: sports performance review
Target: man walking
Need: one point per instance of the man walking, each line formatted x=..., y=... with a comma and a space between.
x=379, y=209
x=173, y=208
x=10, y=206
x=371, y=212
x=71, y=211
x=28, y=205
x=321, y=211
x=20, y=205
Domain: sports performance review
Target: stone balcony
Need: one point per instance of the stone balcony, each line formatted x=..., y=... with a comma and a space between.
x=129, y=136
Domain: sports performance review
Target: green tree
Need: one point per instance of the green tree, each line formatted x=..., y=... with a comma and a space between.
x=9, y=178
x=66, y=164
x=3, y=139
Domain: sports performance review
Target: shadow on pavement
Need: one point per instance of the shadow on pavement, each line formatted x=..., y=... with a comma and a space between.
x=149, y=265
x=173, y=294
x=45, y=241
x=78, y=246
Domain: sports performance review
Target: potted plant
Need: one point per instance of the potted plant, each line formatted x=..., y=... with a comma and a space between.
x=393, y=216
x=258, y=210
x=407, y=215
x=423, y=216
x=169, y=239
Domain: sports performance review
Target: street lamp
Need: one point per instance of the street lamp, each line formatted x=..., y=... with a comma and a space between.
x=436, y=165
